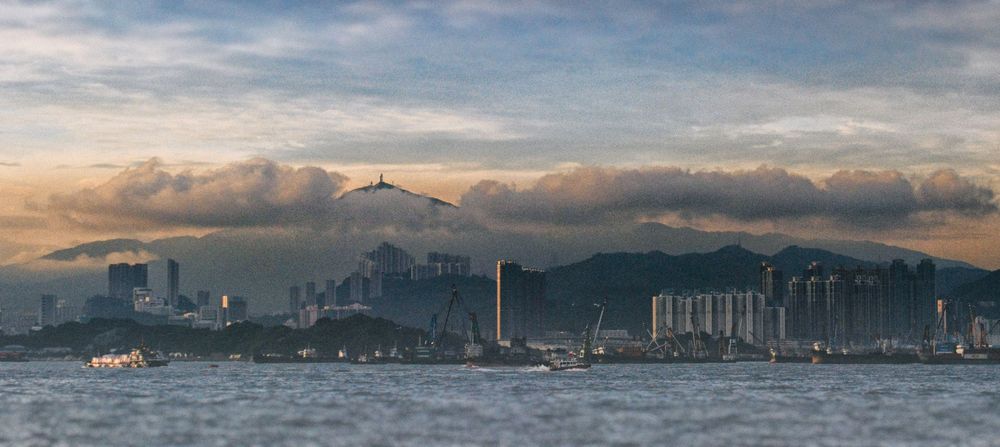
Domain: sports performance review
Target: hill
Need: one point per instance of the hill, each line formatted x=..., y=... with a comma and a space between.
x=629, y=280
x=358, y=333
x=985, y=292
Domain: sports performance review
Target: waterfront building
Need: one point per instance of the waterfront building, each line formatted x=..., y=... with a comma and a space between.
x=860, y=306
x=816, y=308
x=208, y=318
x=123, y=278
x=173, y=282
x=143, y=300
x=715, y=314
x=520, y=301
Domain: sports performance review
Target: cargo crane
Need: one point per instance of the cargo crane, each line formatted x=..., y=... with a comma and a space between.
x=698, y=350
x=474, y=347
x=732, y=352
x=668, y=347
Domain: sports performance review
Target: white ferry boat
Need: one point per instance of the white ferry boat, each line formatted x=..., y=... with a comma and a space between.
x=140, y=357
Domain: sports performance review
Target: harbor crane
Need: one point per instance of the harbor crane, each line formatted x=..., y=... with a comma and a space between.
x=475, y=338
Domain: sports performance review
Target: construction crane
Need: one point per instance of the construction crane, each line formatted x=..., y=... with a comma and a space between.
x=590, y=338
x=475, y=338
x=697, y=346
x=733, y=352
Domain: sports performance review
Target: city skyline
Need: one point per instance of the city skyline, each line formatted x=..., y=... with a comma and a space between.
x=146, y=122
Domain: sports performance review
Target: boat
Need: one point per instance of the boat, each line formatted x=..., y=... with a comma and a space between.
x=305, y=355
x=568, y=363
x=944, y=348
x=844, y=357
x=140, y=357
x=13, y=353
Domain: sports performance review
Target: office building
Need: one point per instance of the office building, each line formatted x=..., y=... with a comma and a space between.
x=234, y=309
x=520, y=301
x=310, y=293
x=47, y=311
x=123, y=278
x=329, y=294
x=294, y=299
x=204, y=298
x=173, y=282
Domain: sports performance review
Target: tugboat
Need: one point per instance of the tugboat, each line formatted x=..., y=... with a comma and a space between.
x=140, y=357
x=569, y=363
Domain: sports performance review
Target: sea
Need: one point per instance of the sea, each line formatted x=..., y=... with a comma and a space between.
x=246, y=404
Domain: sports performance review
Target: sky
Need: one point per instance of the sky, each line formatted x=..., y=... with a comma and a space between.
x=858, y=120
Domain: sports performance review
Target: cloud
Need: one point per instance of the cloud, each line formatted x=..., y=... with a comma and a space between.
x=597, y=195
x=258, y=192
x=85, y=262
x=9, y=164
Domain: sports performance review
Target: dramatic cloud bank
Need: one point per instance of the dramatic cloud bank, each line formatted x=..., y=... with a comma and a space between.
x=262, y=193
x=861, y=198
x=254, y=193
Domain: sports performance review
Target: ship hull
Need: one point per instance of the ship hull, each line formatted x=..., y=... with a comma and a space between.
x=991, y=357
x=569, y=367
x=863, y=359
x=284, y=359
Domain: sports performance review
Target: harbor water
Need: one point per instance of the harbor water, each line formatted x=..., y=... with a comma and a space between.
x=239, y=403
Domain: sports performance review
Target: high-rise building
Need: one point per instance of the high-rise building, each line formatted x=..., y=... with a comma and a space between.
x=439, y=264
x=310, y=293
x=173, y=282
x=329, y=294
x=390, y=260
x=924, y=295
x=816, y=308
x=859, y=306
x=47, y=311
x=520, y=301
x=370, y=286
x=294, y=299
x=772, y=285
x=743, y=314
x=122, y=278
x=204, y=298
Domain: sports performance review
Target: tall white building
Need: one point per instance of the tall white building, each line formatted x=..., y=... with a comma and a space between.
x=715, y=314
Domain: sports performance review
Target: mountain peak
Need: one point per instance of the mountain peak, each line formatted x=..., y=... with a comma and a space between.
x=383, y=185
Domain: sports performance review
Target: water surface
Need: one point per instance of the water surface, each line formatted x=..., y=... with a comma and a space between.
x=61, y=403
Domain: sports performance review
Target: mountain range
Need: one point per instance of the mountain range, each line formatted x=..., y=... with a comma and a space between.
x=262, y=263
